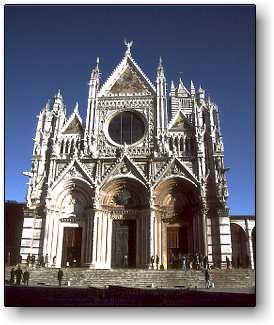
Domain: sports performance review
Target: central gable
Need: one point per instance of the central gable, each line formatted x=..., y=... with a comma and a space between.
x=128, y=83
x=127, y=79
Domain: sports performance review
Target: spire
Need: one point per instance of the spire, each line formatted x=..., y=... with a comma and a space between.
x=192, y=88
x=97, y=63
x=95, y=73
x=76, y=108
x=160, y=61
x=201, y=93
x=47, y=106
x=160, y=69
x=58, y=101
x=172, y=89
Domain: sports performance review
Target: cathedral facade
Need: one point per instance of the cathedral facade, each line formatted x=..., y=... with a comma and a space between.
x=143, y=176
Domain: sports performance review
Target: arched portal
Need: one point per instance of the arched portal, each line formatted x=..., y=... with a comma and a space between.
x=239, y=246
x=126, y=203
x=69, y=226
x=178, y=208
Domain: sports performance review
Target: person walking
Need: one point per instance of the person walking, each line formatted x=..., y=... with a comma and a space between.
x=26, y=277
x=60, y=275
x=18, y=274
x=208, y=279
x=12, y=275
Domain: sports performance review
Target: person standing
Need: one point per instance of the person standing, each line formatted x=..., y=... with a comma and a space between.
x=12, y=275
x=227, y=260
x=33, y=260
x=26, y=277
x=28, y=260
x=157, y=262
x=47, y=260
x=152, y=261
x=60, y=275
x=205, y=262
x=183, y=263
x=18, y=274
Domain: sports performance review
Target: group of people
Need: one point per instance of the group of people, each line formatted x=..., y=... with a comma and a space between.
x=154, y=261
x=18, y=275
x=188, y=262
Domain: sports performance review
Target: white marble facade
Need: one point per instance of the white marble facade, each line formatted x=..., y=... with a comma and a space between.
x=147, y=167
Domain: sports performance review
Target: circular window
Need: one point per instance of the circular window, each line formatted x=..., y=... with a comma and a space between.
x=126, y=127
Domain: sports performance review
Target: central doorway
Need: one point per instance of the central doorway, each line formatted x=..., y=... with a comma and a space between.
x=123, y=251
x=72, y=240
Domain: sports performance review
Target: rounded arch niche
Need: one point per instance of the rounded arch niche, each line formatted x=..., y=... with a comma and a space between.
x=72, y=197
x=177, y=195
x=125, y=192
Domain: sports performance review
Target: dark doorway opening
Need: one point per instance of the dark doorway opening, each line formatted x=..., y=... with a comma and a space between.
x=177, y=245
x=123, y=249
x=72, y=240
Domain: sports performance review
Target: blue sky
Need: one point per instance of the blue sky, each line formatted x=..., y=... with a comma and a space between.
x=52, y=47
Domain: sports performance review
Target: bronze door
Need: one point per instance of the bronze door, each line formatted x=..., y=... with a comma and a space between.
x=72, y=240
x=123, y=251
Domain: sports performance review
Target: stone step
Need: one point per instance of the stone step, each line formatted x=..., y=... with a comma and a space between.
x=80, y=277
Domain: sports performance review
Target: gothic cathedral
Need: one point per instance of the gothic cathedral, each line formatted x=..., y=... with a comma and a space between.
x=144, y=176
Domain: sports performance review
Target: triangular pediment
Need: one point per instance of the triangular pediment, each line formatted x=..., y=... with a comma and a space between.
x=74, y=170
x=124, y=168
x=129, y=83
x=74, y=125
x=176, y=168
x=179, y=122
x=127, y=79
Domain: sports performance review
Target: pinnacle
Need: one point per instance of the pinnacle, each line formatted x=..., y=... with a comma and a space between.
x=76, y=107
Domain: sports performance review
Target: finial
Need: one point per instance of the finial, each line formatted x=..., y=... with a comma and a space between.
x=76, y=107
x=97, y=62
x=47, y=105
x=59, y=93
x=192, y=84
x=160, y=61
x=128, y=45
x=172, y=85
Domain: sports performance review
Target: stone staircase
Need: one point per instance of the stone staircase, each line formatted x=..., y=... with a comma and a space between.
x=82, y=277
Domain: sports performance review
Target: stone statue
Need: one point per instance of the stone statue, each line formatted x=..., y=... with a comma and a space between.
x=128, y=45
